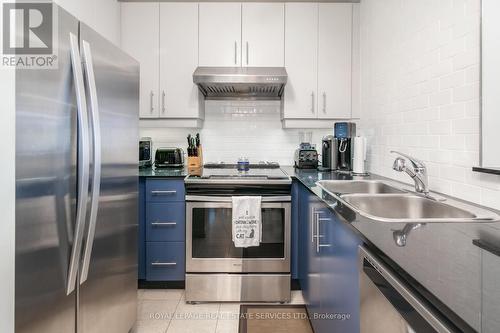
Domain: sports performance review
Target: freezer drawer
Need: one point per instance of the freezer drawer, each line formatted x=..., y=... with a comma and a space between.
x=165, y=221
x=165, y=261
x=161, y=190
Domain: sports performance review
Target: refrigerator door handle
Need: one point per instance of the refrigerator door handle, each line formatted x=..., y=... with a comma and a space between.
x=83, y=164
x=96, y=165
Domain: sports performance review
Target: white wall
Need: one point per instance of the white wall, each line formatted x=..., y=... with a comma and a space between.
x=491, y=80
x=420, y=91
x=7, y=195
x=101, y=15
x=234, y=129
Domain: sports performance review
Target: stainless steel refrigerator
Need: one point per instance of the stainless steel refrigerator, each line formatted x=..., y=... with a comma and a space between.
x=77, y=187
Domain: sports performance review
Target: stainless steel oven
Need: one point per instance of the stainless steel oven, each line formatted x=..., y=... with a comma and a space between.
x=209, y=245
x=216, y=270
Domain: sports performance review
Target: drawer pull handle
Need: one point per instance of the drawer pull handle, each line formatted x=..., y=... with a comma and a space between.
x=163, y=264
x=158, y=192
x=164, y=223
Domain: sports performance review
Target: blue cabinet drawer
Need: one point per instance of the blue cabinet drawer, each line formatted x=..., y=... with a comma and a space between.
x=165, y=261
x=161, y=190
x=165, y=221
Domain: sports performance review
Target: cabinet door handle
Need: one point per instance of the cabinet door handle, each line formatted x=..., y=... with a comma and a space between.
x=313, y=236
x=151, y=95
x=312, y=102
x=318, y=236
x=163, y=223
x=324, y=102
x=163, y=101
x=158, y=192
x=247, y=53
x=235, y=52
x=163, y=264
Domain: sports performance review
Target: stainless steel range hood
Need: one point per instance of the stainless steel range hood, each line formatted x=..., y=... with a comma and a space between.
x=266, y=83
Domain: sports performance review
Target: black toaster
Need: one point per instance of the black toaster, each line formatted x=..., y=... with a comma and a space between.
x=169, y=158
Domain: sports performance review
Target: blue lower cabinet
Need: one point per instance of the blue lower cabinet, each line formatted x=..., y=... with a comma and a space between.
x=162, y=229
x=164, y=190
x=141, y=237
x=328, y=266
x=338, y=275
x=165, y=221
x=165, y=261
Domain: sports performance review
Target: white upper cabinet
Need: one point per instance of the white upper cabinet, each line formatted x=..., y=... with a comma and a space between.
x=334, y=60
x=262, y=34
x=318, y=52
x=140, y=38
x=301, y=60
x=178, y=60
x=220, y=34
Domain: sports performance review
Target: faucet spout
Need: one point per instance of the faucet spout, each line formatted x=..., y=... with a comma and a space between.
x=418, y=173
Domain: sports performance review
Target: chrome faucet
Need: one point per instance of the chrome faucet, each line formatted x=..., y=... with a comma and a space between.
x=418, y=173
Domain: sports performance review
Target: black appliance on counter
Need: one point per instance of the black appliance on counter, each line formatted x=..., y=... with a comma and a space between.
x=169, y=158
x=306, y=157
x=145, y=152
x=329, y=157
x=344, y=144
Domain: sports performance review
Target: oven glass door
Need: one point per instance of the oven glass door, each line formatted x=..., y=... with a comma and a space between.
x=210, y=246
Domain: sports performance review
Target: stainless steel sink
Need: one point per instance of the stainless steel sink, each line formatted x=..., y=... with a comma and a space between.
x=381, y=201
x=357, y=186
x=406, y=208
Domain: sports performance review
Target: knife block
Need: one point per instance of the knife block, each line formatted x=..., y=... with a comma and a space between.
x=196, y=162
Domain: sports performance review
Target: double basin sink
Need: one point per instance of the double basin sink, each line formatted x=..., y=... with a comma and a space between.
x=383, y=201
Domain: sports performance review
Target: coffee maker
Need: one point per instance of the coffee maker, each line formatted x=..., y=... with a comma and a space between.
x=329, y=155
x=344, y=134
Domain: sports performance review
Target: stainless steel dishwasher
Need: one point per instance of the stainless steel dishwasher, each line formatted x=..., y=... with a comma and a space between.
x=388, y=305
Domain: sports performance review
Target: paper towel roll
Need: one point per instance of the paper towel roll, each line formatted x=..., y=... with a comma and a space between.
x=359, y=155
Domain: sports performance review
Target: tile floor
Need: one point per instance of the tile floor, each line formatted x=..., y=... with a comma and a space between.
x=165, y=311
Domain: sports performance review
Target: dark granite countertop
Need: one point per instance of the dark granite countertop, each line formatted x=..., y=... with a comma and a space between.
x=164, y=173
x=441, y=257
x=493, y=171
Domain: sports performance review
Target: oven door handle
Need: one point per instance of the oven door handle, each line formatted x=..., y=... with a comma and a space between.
x=201, y=198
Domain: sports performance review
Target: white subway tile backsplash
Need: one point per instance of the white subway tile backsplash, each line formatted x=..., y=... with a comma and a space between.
x=452, y=111
x=434, y=45
x=454, y=173
x=234, y=129
x=441, y=98
x=465, y=93
x=452, y=142
x=465, y=59
x=452, y=80
x=440, y=127
x=465, y=126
